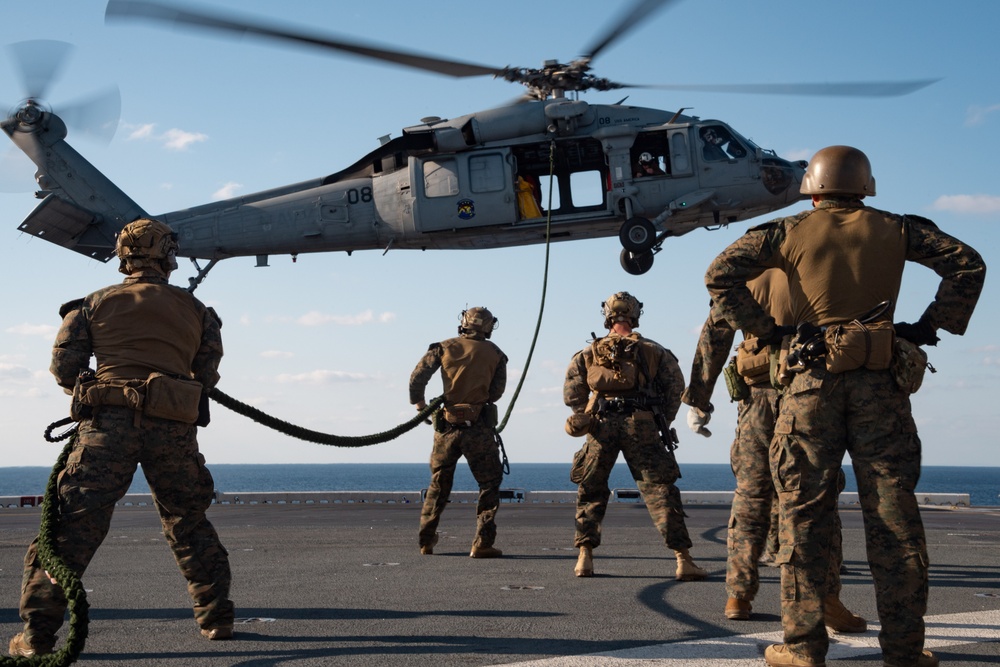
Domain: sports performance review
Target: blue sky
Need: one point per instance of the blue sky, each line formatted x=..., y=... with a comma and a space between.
x=329, y=341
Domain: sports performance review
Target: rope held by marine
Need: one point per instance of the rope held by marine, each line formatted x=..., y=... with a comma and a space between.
x=57, y=569
x=316, y=436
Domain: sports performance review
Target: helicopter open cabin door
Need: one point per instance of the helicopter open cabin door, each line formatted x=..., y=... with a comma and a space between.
x=462, y=190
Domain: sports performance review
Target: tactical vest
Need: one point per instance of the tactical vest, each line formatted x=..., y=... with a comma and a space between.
x=615, y=367
x=467, y=369
x=841, y=262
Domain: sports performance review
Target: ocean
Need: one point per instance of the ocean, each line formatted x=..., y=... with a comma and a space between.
x=981, y=483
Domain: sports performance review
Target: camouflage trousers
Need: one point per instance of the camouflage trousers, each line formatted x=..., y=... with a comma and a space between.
x=864, y=413
x=653, y=468
x=479, y=446
x=98, y=473
x=754, y=512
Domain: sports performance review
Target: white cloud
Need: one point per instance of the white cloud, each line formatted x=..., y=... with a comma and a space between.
x=976, y=115
x=315, y=318
x=14, y=372
x=974, y=204
x=277, y=354
x=173, y=139
x=227, y=191
x=321, y=377
x=42, y=330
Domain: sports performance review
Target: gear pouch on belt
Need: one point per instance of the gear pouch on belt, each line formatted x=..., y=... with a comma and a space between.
x=755, y=367
x=462, y=413
x=735, y=385
x=583, y=465
x=856, y=345
x=79, y=408
x=908, y=365
x=173, y=398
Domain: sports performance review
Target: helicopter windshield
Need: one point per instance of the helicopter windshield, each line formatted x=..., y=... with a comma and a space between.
x=719, y=143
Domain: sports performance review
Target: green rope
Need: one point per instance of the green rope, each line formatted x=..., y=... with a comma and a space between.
x=316, y=436
x=58, y=570
x=545, y=283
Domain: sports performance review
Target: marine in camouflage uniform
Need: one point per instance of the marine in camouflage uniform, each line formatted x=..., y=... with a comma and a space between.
x=754, y=501
x=843, y=259
x=474, y=374
x=140, y=327
x=613, y=387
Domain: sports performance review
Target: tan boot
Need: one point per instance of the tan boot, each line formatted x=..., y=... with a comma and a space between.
x=841, y=619
x=778, y=655
x=686, y=569
x=428, y=549
x=925, y=659
x=585, y=563
x=485, y=552
x=20, y=647
x=220, y=633
x=738, y=610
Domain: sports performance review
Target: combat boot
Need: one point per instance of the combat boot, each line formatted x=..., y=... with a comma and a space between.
x=738, y=610
x=686, y=569
x=219, y=633
x=585, y=563
x=428, y=549
x=925, y=659
x=778, y=655
x=841, y=619
x=485, y=552
x=20, y=647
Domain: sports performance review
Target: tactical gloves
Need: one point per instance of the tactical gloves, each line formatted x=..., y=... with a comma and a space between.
x=698, y=418
x=919, y=333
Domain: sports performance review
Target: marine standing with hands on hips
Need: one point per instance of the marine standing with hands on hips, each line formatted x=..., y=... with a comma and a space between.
x=474, y=374
x=158, y=350
x=851, y=373
x=624, y=391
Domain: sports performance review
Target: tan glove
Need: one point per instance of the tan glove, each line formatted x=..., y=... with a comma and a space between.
x=578, y=424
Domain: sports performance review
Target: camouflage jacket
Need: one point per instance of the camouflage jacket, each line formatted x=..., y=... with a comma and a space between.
x=960, y=267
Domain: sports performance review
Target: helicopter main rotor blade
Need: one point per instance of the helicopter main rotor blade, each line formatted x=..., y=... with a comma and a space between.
x=39, y=62
x=640, y=10
x=844, y=89
x=142, y=9
x=95, y=116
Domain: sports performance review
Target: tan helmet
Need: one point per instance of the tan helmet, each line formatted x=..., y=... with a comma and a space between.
x=146, y=243
x=839, y=170
x=478, y=320
x=621, y=307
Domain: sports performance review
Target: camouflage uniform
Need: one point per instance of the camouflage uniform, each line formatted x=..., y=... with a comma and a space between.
x=134, y=329
x=842, y=258
x=474, y=372
x=631, y=430
x=754, y=510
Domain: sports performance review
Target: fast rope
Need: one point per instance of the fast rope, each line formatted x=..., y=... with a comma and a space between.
x=57, y=569
x=316, y=436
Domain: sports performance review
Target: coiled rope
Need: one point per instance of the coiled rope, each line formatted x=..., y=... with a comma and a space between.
x=57, y=569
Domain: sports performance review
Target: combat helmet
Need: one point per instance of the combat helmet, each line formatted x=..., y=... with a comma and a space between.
x=621, y=307
x=478, y=320
x=839, y=170
x=146, y=243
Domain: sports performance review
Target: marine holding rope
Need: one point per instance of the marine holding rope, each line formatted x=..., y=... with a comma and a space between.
x=624, y=391
x=158, y=350
x=474, y=373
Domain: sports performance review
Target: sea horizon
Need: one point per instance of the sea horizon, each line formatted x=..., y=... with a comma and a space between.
x=982, y=483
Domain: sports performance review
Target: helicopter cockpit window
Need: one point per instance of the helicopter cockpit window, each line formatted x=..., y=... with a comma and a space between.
x=719, y=144
x=441, y=178
x=486, y=173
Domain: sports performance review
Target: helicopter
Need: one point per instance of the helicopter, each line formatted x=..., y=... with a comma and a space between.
x=474, y=181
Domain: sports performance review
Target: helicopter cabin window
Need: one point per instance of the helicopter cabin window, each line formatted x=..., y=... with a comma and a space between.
x=679, y=151
x=486, y=173
x=441, y=178
x=650, y=155
x=719, y=144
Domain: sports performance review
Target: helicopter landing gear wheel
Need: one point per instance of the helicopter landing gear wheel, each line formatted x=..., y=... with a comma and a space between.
x=637, y=235
x=636, y=263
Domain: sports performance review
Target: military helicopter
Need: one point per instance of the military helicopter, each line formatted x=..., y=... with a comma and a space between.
x=475, y=181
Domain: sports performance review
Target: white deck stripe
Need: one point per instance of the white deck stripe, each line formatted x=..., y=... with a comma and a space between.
x=748, y=650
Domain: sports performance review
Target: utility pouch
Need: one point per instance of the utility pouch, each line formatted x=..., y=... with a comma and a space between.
x=855, y=345
x=737, y=387
x=753, y=364
x=908, y=365
x=462, y=413
x=582, y=464
x=578, y=424
x=78, y=408
x=172, y=398
x=491, y=415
